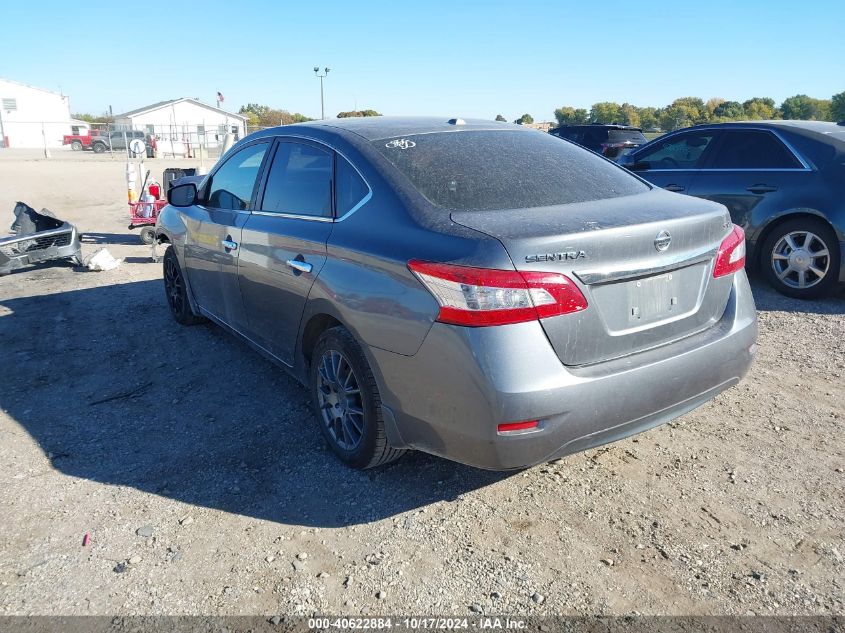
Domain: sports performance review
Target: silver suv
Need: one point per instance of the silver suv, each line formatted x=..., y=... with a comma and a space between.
x=479, y=291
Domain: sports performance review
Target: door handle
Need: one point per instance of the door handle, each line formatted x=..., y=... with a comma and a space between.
x=229, y=245
x=673, y=187
x=761, y=188
x=303, y=267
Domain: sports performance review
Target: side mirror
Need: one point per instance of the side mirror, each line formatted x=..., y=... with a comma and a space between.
x=640, y=166
x=182, y=195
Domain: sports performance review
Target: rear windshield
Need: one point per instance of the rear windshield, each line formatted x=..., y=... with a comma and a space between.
x=504, y=169
x=620, y=136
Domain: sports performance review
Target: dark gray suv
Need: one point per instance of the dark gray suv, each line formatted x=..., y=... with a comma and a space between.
x=476, y=290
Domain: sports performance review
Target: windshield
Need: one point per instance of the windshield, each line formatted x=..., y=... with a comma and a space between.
x=504, y=169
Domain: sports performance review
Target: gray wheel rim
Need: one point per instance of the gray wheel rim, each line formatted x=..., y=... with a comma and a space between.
x=339, y=399
x=173, y=286
x=800, y=259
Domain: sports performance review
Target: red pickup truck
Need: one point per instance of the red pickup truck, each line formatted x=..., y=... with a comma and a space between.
x=80, y=141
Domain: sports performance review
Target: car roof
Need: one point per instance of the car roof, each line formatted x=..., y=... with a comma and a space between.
x=379, y=127
x=824, y=131
x=811, y=126
x=606, y=126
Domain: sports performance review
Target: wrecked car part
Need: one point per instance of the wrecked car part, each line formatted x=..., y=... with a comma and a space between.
x=38, y=237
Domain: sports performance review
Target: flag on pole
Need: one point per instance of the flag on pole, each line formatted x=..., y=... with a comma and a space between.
x=220, y=97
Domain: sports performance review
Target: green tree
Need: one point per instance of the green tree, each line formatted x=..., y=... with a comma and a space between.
x=606, y=112
x=694, y=107
x=806, y=108
x=567, y=115
x=499, y=117
x=254, y=108
x=729, y=111
x=265, y=116
x=649, y=117
x=525, y=118
x=759, y=108
x=837, y=107
x=90, y=118
x=356, y=113
x=683, y=112
x=712, y=104
x=628, y=115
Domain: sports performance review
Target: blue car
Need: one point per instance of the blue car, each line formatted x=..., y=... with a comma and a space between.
x=783, y=183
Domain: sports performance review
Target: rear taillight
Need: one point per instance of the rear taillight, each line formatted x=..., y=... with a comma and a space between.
x=617, y=147
x=482, y=296
x=731, y=255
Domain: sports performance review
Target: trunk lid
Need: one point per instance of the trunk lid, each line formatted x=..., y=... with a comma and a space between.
x=644, y=263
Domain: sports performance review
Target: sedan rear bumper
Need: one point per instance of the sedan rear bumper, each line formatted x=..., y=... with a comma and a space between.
x=449, y=398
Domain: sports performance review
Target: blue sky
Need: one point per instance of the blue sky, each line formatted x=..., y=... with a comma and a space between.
x=471, y=59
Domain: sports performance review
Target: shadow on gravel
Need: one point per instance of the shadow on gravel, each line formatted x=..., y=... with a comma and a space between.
x=132, y=239
x=114, y=391
x=768, y=299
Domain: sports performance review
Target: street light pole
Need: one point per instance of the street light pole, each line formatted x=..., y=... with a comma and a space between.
x=322, y=101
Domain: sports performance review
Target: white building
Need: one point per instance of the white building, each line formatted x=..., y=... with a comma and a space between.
x=182, y=120
x=33, y=117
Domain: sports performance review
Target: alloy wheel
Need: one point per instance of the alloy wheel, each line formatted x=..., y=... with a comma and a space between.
x=339, y=399
x=800, y=259
x=174, y=287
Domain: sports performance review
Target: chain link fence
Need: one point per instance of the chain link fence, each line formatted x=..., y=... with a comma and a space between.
x=160, y=141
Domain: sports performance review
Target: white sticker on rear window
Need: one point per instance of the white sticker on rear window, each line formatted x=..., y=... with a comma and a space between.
x=400, y=143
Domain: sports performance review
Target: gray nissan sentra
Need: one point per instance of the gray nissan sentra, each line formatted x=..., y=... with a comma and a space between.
x=477, y=290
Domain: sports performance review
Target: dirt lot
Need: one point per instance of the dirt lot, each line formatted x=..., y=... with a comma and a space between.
x=196, y=468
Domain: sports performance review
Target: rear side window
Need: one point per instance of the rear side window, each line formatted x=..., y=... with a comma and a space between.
x=350, y=187
x=753, y=149
x=504, y=169
x=819, y=153
x=300, y=181
x=682, y=151
x=232, y=185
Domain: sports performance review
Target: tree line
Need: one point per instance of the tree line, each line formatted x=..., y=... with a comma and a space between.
x=688, y=111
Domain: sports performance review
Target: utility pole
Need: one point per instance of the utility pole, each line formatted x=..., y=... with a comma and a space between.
x=322, y=101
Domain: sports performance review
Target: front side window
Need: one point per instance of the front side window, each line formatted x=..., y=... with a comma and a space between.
x=682, y=151
x=300, y=181
x=232, y=185
x=753, y=149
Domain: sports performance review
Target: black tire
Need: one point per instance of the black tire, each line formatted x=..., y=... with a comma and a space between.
x=777, y=258
x=76, y=146
x=148, y=234
x=372, y=448
x=176, y=291
x=98, y=148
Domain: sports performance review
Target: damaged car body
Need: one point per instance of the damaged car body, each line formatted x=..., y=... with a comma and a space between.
x=479, y=291
x=38, y=237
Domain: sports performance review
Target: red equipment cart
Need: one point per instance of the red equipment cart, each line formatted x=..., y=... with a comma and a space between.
x=143, y=215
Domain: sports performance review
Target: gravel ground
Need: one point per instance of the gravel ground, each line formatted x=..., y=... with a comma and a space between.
x=194, y=466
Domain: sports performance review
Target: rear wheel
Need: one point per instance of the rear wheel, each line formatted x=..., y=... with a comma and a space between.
x=347, y=401
x=76, y=146
x=177, y=292
x=800, y=258
x=99, y=148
